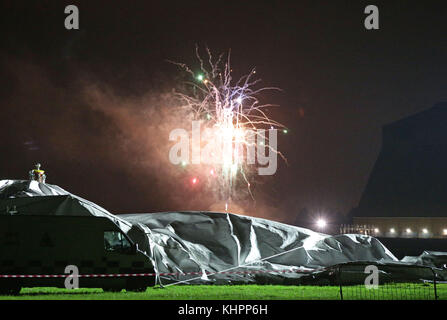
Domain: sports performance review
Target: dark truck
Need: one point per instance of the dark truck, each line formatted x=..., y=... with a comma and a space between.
x=47, y=244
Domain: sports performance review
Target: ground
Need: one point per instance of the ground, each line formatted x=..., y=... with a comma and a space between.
x=236, y=292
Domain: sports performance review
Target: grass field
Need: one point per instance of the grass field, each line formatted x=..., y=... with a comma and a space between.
x=209, y=292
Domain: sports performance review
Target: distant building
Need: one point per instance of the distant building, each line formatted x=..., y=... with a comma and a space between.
x=406, y=195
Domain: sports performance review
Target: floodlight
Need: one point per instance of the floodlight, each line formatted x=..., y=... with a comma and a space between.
x=321, y=223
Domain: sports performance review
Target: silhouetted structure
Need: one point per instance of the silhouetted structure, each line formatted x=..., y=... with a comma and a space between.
x=406, y=195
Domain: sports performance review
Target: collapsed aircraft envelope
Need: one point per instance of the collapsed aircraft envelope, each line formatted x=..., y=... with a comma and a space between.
x=217, y=247
x=216, y=242
x=35, y=198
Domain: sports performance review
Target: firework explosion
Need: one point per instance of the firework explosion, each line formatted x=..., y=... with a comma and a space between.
x=232, y=120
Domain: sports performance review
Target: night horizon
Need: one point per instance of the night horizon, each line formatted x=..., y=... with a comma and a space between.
x=87, y=104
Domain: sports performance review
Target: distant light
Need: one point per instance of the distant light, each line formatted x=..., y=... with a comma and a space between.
x=321, y=223
x=285, y=131
x=239, y=100
x=184, y=163
x=408, y=230
x=194, y=180
x=445, y=232
x=425, y=230
x=376, y=230
x=200, y=77
x=212, y=172
x=392, y=230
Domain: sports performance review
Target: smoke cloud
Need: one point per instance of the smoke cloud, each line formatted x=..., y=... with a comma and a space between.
x=109, y=147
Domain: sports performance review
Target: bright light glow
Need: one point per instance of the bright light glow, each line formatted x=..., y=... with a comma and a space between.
x=194, y=180
x=408, y=230
x=444, y=232
x=376, y=230
x=200, y=77
x=425, y=230
x=239, y=100
x=321, y=223
x=392, y=230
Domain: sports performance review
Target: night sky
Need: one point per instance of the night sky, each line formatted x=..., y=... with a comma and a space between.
x=91, y=104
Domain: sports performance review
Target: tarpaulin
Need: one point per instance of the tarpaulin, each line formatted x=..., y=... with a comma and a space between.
x=211, y=245
x=34, y=198
x=216, y=242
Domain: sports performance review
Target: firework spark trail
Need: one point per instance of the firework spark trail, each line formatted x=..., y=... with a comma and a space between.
x=234, y=115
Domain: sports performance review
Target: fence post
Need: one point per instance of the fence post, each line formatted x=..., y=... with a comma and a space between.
x=434, y=283
x=339, y=281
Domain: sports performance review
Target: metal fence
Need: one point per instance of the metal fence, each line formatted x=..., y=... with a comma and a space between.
x=348, y=281
x=366, y=281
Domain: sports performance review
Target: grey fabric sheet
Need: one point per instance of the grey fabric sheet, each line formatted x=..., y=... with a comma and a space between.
x=216, y=242
x=34, y=198
x=209, y=242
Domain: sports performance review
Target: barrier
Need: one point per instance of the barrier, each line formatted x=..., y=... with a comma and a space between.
x=393, y=282
x=353, y=280
x=113, y=275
